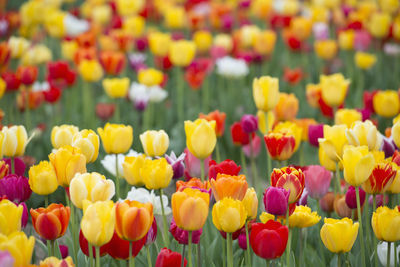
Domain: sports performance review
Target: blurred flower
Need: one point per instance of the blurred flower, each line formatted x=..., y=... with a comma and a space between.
x=144, y=196
x=229, y=215
x=167, y=257
x=347, y=116
x=150, y=77
x=176, y=163
x=225, y=167
x=326, y=49
x=293, y=76
x=141, y=93
x=266, y=93
x=249, y=123
x=268, y=240
x=334, y=89
x=62, y=135
x=382, y=251
x=351, y=200
x=19, y=246
x=252, y=149
x=239, y=136
x=379, y=24
x=43, y=179
x=174, y=17
x=203, y=40
x=6, y=259
x=339, y=235
x=231, y=68
x=74, y=26
x=105, y=111
x=219, y=118
x=90, y=70
x=315, y=132
x=116, y=87
x=346, y=39
x=364, y=60
x=386, y=103
x=276, y=200
x=113, y=62
x=159, y=43
x=116, y=138
x=181, y=53
x=27, y=74
x=385, y=223
x=193, y=164
x=18, y=46
x=182, y=236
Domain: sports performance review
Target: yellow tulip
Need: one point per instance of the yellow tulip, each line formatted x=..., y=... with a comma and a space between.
x=250, y=202
x=303, y=217
x=13, y=141
x=262, y=121
x=364, y=60
x=159, y=43
x=339, y=235
x=19, y=246
x=116, y=87
x=42, y=178
x=334, y=89
x=319, y=14
x=53, y=261
x=325, y=161
x=182, y=52
x=67, y=161
x=175, y=17
x=90, y=70
x=128, y=7
x=62, y=135
x=379, y=24
x=200, y=137
x=10, y=217
x=394, y=188
x=386, y=224
x=248, y=34
x=334, y=141
x=18, y=46
x=98, y=221
x=264, y=42
x=190, y=208
x=346, y=39
x=224, y=40
x=150, y=77
x=156, y=174
x=364, y=134
x=131, y=169
x=347, y=116
x=154, y=143
x=229, y=215
x=2, y=87
x=389, y=6
x=116, y=138
x=90, y=186
x=88, y=142
x=39, y=54
x=358, y=164
x=68, y=49
x=54, y=22
x=203, y=40
x=266, y=92
x=301, y=27
x=134, y=25
x=386, y=103
x=290, y=128
x=326, y=49
x=265, y=217
x=101, y=14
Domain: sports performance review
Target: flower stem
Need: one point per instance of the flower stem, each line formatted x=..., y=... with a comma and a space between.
x=217, y=152
x=289, y=243
x=361, y=228
x=183, y=256
x=117, y=177
x=149, y=256
x=165, y=231
x=90, y=255
x=180, y=96
x=338, y=259
x=117, y=116
x=46, y=201
x=267, y=262
x=229, y=252
x=367, y=226
x=253, y=164
x=198, y=255
x=375, y=241
x=202, y=169
x=339, y=189
x=388, y=254
x=243, y=161
x=269, y=159
x=190, y=248
x=395, y=254
x=12, y=162
x=97, y=256
x=248, y=244
x=131, y=259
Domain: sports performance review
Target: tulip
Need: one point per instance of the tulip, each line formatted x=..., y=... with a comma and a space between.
x=317, y=180
x=358, y=164
x=203, y=40
x=290, y=128
x=266, y=93
x=268, y=240
x=280, y=145
x=291, y=179
x=229, y=215
x=364, y=134
x=364, y=61
x=264, y=42
x=90, y=186
x=131, y=169
x=156, y=174
x=13, y=141
x=159, y=43
x=346, y=39
x=276, y=200
x=193, y=165
x=6, y=260
x=386, y=224
x=339, y=235
x=43, y=179
x=90, y=70
x=229, y=186
x=326, y=49
x=19, y=246
x=382, y=251
x=333, y=142
x=105, y=111
x=314, y=133
x=15, y=188
x=177, y=164
x=181, y=53
x=51, y=222
x=182, y=236
x=67, y=161
x=167, y=258
x=351, y=197
x=152, y=233
x=116, y=87
x=4, y=169
x=84, y=245
x=98, y=222
x=347, y=117
x=225, y=167
x=326, y=202
x=88, y=142
x=302, y=217
x=116, y=138
x=19, y=166
x=154, y=143
x=239, y=136
x=10, y=217
x=380, y=179
x=219, y=118
x=133, y=219
x=27, y=74
x=379, y=24
x=249, y=123
x=200, y=137
x=150, y=77
x=53, y=261
x=193, y=183
x=287, y=107
x=118, y=248
x=113, y=62
x=334, y=89
x=386, y=103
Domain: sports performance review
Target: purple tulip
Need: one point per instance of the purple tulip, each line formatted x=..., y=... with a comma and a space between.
x=152, y=233
x=317, y=181
x=181, y=235
x=304, y=198
x=351, y=199
x=242, y=240
x=315, y=131
x=276, y=200
x=177, y=164
x=64, y=251
x=6, y=259
x=19, y=166
x=249, y=123
x=379, y=200
x=388, y=147
x=15, y=188
x=140, y=104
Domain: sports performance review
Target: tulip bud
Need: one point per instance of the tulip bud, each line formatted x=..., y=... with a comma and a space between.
x=249, y=123
x=181, y=235
x=326, y=202
x=62, y=135
x=351, y=200
x=167, y=257
x=276, y=200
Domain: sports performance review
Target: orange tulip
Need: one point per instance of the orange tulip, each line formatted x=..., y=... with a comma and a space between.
x=280, y=145
x=133, y=219
x=229, y=186
x=113, y=62
x=219, y=118
x=287, y=107
x=291, y=179
x=51, y=222
x=194, y=182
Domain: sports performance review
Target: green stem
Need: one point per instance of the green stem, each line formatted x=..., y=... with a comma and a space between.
x=205, y=94
x=97, y=256
x=190, y=248
x=289, y=240
x=117, y=116
x=87, y=104
x=267, y=262
x=243, y=160
x=367, y=225
x=131, y=259
x=248, y=244
x=198, y=255
x=361, y=228
x=27, y=113
x=183, y=256
x=49, y=248
x=12, y=162
x=388, y=253
x=339, y=259
x=180, y=91
x=375, y=241
x=117, y=178
x=149, y=256
x=224, y=254
x=253, y=164
x=269, y=159
x=90, y=254
x=73, y=232
x=218, y=154
x=229, y=252
x=339, y=188
x=165, y=231
x=202, y=170
x=46, y=201
x=395, y=254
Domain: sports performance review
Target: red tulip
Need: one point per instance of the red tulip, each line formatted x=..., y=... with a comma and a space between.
x=60, y=75
x=197, y=71
x=280, y=146
x=119, y=248
x=239, y=137
x=12, y=81
x=291, y=179
x=293, y=76
x=269, y=240
x=225, y=167
x=169, y=258
x=5, y=55
x=52, y=95
x=113, y=62
x=104, y=111
x=27, y=74
x=84, y=244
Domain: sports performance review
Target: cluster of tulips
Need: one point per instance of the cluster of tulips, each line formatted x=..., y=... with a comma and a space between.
x=309, y=78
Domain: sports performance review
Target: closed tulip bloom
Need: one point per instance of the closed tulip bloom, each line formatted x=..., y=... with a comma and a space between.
x=249, y=123
x=334, y=89
x=190, y=208
x=381, y=178
x=326, y=49
x=10, y=217
x=181, y=53
x=203, y=40
x=13, y=141
x=229, y=186
x=225, y=167
x=239, y=136
x=19, y=246
x=168, y=258
x=379, y=24
x=317, y=180
x=266, y=93
x=347, y=116
x=51, y=222
x=364, y=60
x=396, y=133
x=133, y=219
x=250, y=202
x=116, y=138
x=229, y=215
x=339, y=235
x=43, y=178
x=302, y=217
x=90, y=70
x=156, y=174
x=358, y=164
x=287, y=107
x=88, y=142
x=200, y=137
x=90, y=186
x=62, y=135
x=386, y=103
x=290, y=128
x=351, y=197
x=341, y=209
x=386, y=224
x=159, y=43
x=53, y=261
x=264, y=42
x=113, y=62
x=334, y=140
x=131, y=169
x=290, y=179
x=280, y=146
x=98, y=221
x=174, y=17
x=15, y=188
x=67, y=161
x=346, y=39
x=116, y=87
x=276, y=200
x=268, y=240
x=150, y=77
x=154, y=143
x=364, y=134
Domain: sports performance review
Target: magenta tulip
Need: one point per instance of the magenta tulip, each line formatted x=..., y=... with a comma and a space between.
x=276, y=200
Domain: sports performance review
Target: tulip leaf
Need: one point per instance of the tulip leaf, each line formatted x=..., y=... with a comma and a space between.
x=82, y=259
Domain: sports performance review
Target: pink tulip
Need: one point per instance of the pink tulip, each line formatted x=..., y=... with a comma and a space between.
x=255, y=145
x=317, y=180
x=192, y=164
